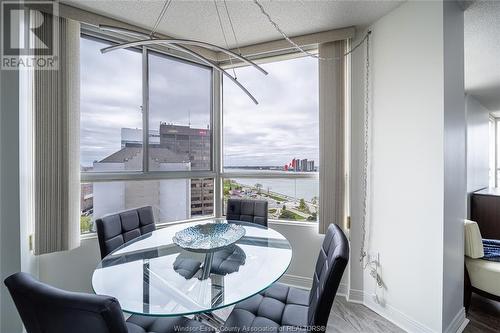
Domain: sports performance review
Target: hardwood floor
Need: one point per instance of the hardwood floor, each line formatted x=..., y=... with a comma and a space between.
x=350, y=317
x=484, y=316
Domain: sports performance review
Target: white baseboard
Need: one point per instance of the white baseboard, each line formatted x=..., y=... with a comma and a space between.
x=355, y=296
x=458, y=323
x=342, y=291
x=306, y=283
x=296, y=281
x=461, y=328
x=395, y=316
x=390, y=313
x=407, y=323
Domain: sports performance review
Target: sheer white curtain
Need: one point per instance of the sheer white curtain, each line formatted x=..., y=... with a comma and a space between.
x=332, y=115
x=56, y=126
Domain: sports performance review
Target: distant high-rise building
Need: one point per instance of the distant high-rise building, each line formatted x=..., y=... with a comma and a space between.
x=310, y=166
x=195, y=142
x=131, y=136
x=171, y=148
x=303, y=165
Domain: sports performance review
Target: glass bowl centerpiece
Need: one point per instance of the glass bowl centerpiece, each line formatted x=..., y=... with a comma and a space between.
x=208, y=237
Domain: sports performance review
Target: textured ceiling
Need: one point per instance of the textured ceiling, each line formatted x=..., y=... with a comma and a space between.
x=198, y=19
x=482, y=52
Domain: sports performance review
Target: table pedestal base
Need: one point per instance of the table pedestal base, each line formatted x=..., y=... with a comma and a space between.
x=207, y=266
x=210, y=319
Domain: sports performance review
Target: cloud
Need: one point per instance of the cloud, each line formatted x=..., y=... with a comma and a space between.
x=285, y=123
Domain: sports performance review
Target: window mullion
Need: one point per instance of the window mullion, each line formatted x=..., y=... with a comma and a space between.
x=145, y=111
x=217, y=141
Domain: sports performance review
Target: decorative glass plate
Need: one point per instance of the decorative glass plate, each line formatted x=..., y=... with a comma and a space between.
x=209, y=236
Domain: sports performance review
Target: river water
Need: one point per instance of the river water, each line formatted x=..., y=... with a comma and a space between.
x=299, y=188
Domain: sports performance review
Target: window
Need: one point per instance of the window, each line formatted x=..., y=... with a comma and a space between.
x=110, y=106
x=271, y=151
x=180, y=104
x=171, y=199
x=115, y=173
x=288, y=199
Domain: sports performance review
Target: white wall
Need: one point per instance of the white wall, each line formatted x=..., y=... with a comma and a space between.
x=10, y=233
x=477, y=144
x=306, y=242
x=413, y=129
x=71, y=270
x=455, y=173
x=407, y=156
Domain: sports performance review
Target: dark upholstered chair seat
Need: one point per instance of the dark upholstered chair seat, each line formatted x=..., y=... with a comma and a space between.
x=225, y=261
x=143, y=324
x=185, y=266
x=289, y=309
x=228, y=260
x=275, y=309
x=45, y=309
x=247, y=210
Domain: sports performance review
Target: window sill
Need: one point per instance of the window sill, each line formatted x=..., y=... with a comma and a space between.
x=92, y=235
x=88, y=235
x=294, y=223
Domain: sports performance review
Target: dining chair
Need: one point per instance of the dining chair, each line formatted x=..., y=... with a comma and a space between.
x=44, y=308
x=247, y=210
x=116, y=229
x=283, y=308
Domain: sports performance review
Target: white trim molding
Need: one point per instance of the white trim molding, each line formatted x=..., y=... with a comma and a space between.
x=306, y=283
x=297, y=281
x=458, y=323
x=399, y=318
x=395, y=316
x=355, y=296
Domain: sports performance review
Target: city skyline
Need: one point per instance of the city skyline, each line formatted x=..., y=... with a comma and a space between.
x=133, y=136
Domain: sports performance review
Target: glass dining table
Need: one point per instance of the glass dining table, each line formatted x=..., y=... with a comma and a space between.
x=150, y=275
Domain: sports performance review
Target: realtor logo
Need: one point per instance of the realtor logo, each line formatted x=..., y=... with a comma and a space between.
x=29, y=35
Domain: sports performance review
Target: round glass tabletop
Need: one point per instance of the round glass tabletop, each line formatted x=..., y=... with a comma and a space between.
x=150, y=275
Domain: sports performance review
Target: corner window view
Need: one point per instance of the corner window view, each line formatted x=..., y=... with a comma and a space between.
x=179, y=137
x=270, y=151
x=273, y=148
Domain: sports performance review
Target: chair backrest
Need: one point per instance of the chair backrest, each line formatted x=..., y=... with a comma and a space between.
x=332, y=260
x=116, y=229
x=47, y=309
x=247, y=210
x=473, y=246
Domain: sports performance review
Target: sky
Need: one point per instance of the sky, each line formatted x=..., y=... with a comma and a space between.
x=283, y=126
